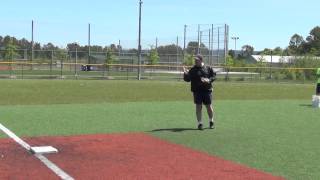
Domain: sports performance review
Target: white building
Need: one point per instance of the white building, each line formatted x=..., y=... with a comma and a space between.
x=277, y=59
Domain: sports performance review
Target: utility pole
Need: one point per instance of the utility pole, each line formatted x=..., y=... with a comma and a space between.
x=89, y=44
x=31, y=43
x=76, y=62
x=139, y=43
x=218, y=51
x=198, y=48
x=184, y=41
x=226, y=40
x=157, y=43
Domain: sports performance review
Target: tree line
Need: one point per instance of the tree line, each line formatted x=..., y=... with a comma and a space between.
x=298, y=46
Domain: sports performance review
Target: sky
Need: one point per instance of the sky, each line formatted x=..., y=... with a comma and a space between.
x=259, y=23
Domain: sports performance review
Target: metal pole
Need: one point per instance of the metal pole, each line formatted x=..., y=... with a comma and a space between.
x=22, y=70
x=119, y=49
x=75, y=64
x=235, y=43
x=200, y=42
x=271, y=66
x=218, y=52
x=51, y=62
x=89, y=44
x=226, y=36
x=209, y=57
x=177, y=52
x=198, y=49
x=156, y=44
x=184, y=41
x=31, y=43
x=25, y=55
x=139, y=43
x=211, y=54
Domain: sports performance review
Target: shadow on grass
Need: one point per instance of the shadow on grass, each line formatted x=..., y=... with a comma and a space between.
x=306, y=105
x=175, y=129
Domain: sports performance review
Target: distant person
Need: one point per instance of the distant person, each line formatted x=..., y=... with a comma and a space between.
x=318, y=82
x=201, y=78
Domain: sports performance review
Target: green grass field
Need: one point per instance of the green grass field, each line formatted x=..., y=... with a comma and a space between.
x=270, y=126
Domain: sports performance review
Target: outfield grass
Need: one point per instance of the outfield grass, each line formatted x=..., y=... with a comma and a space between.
x=271, y=127
x=33, y=92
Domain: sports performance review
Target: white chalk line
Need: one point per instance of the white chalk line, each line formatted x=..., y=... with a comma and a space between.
x=47, y=162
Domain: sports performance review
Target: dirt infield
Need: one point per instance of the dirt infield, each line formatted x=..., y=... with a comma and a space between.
x=119, y=156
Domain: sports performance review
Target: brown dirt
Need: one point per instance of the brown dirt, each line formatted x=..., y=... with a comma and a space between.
x=119, y=156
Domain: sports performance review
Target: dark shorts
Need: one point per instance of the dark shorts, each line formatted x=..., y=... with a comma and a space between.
x=202, y=97
x=318, y=89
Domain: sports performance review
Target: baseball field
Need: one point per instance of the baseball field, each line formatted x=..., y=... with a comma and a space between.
x=120, y=129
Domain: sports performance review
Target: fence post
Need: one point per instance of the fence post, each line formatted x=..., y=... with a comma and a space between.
x=127, y=73
x=22, y=70
x=61, y=64
x=51, y=63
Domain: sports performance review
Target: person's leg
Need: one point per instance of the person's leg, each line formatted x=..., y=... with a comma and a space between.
x=199, y=113
x=198, y=102
x=208, y=104
x=318, y=89
x=210, y=112
x=210, y=115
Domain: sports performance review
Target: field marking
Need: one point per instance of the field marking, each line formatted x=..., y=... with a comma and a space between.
x=42, y=158
x=15, y=137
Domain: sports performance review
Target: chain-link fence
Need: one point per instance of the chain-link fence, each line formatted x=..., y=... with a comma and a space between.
x=209, y=40
x=125, y=67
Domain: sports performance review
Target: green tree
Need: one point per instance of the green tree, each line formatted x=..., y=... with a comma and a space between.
x=262, y=64
x=192, y=47
x=266, y=51
x=231, y=53
x=277, y=51
x=295, y=44
x=169, y=49
x=110, y=59
x=313, y=41
x=247, y=50
x=61, y=54
x=188, y=60
x=153, y=56
x=229, y=61
x=10, y=51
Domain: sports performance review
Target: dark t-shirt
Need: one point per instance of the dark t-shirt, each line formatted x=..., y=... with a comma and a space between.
x=195, y=74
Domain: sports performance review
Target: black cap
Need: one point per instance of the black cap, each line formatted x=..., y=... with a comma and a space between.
x=198, y=57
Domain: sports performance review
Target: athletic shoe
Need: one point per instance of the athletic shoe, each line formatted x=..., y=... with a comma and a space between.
x=200, y=127
x=211, y=125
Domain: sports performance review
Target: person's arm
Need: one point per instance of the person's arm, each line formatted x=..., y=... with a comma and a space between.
x=212, y=75
x=186, y=75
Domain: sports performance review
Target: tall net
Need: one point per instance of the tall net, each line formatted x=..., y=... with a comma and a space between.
x=209, y=40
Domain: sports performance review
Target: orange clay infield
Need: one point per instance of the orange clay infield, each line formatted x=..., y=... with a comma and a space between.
x=119, y=156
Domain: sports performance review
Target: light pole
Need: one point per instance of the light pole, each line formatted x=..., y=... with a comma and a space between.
x=76, y=61
x=139, y=42
x=235, y=43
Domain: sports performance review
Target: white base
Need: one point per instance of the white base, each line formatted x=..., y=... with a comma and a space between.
x=43, y=150
x=316, y=101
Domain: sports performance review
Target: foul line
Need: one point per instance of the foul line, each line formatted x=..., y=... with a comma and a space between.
x=42, y=158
